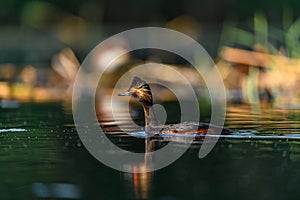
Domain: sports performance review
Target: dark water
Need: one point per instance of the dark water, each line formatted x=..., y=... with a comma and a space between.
x=42, y=157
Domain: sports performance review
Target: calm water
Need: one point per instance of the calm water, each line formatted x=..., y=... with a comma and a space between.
x=42, y=158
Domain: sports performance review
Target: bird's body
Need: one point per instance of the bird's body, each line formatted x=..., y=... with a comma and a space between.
x=140, y=90
x=191, y=128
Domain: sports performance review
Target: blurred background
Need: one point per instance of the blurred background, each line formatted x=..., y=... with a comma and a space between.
x=255, y=44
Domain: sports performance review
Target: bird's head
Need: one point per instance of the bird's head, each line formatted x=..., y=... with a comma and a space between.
x=140, y=90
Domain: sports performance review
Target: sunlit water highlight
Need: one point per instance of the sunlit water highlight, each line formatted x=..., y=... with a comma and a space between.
x=13, y=130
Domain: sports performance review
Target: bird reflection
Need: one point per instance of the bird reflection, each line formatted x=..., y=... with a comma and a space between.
x=142, y=177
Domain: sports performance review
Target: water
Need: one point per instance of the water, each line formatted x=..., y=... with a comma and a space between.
x=42, y=157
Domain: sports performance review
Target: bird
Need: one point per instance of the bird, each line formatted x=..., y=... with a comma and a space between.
x=140, y=90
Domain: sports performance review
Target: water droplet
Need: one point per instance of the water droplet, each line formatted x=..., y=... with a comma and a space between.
x=78, y=144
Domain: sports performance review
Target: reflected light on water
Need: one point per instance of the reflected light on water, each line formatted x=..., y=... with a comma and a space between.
x=265, y=122
x=141, y=182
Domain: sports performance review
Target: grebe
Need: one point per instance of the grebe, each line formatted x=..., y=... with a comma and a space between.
x=140, y=90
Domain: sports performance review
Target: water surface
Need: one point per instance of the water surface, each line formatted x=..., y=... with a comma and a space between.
x=42, y=157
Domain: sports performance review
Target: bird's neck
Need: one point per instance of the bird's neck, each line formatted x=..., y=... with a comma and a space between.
x=148, y=116
x=150, y=120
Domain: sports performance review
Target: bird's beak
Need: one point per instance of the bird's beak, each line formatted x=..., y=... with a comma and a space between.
x=127, y=93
